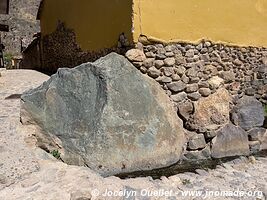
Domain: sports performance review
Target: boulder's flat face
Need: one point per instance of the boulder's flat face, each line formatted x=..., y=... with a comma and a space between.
x=106, y=115
x=230, y=141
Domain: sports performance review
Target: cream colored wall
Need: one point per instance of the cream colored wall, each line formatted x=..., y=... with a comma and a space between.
x=238, y=22
x=97, y=23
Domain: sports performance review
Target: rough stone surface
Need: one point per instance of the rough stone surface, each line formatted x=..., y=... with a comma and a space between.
x=248, y=113
x=213, y=110
x=177, y=86
x=135, y=55
x=230, y=141
x=197, y=142
x=186, y=109
x=118, y=121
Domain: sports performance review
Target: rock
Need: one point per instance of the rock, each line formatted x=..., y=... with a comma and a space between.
x=254, y=146
x=250, y=91
x=237, y=62
x=169, y=62
x=153, y=72
x=135, y=55
x=177, y=86
x=212, y=110
x=198, y=155
x=158, y=63
x=150, y=54
x=191, y=88
x=194, y=96
x=203, y=85
x=180, y=70
x=197, y=142
x=165, y=79
x=143, y=69
x=179, y=97
x=186, y=109
x=210, y=69
x=192, y=72
x=106, y=115
x=228, y=76
x=215, y=82
x=185, y=79
x=230, y=141
x=248, y=113
x=190, y=53
x=168, y=71
x=257, y=134
x=205, y=92
x=176, y=77
x=148, y=62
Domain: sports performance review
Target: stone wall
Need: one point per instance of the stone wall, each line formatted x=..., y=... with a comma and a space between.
x=218, y=90
x=189, y=72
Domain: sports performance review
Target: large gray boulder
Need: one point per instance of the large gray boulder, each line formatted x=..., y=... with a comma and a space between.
x=248, y=113
x=106, y=115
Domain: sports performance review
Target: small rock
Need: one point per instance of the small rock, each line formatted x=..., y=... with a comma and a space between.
x=180, y=70
x=228, y=76
x=203, y=85
x=205, y=92
x=153, y=72
x=186, y=109
x=168, y=71
x=158, y=63
x=190, y=53
x=169, y=62
x=194, y=96
x=185, y=79
x=198, y=155
x=197, y=142
x=215, y=82
x=135, y=55
x=169, y=54
x=143, y=69
x=179, y=97
x=254, y=146
x=150, y=54
x=177, y=86
x=149, y=62
x=250, y=91
x=176, y=77
x=257, y=134
x=190, y=88
x=164, y=79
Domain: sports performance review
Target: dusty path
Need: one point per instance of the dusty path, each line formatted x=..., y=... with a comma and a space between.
x=28, y=173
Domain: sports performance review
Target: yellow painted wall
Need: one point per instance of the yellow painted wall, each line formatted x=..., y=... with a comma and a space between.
x=239, y=22
x=97, y=23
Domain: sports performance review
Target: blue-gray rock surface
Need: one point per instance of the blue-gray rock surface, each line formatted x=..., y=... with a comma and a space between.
x=105, y=115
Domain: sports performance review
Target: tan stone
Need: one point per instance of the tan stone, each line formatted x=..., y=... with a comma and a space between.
x=135, y=55
x=213, y=109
